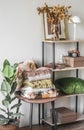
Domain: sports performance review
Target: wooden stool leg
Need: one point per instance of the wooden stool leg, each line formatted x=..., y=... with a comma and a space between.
x=54, y=121
x=31, y=115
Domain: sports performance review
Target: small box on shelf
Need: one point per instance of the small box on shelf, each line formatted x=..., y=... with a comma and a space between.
x=74, y=61
x=65, y=115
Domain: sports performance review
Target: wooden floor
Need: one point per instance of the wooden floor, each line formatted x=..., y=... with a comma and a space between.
x=73, y=126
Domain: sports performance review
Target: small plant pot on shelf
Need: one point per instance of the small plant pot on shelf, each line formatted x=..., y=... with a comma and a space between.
x=9, y=127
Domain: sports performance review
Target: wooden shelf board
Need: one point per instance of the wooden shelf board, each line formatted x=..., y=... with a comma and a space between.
x=61, y=95
x=67, y=68
x=63, y=41
x=48, y=120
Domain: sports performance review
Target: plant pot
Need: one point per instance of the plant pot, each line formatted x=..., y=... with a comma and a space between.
x=9, y=127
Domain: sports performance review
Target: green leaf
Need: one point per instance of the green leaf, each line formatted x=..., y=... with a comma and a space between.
x=4, y=93
x=13, y=87
x=6, y=103
x=5, y=87
x=3, y=121
x=8, y=98
x=2, y=110
x=15, y=66
x=2, y=116
x=8, y=71
x=6, y=62
x=16, y=106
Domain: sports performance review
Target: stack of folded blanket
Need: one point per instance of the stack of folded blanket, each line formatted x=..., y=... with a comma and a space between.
x=39, y=78
x=35, y=82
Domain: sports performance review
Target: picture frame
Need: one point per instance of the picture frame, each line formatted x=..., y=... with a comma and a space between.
x=48, y=34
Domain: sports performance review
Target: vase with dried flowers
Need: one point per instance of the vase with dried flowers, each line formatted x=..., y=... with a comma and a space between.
x=54, y=16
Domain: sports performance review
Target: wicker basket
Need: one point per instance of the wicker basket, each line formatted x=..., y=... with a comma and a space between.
x=74, y=62
x=9, y=127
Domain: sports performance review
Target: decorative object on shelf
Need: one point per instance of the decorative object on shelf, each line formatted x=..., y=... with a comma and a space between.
x=74, y=53
x=60, y=66
x=65, y=115
x=70, y=85
x=57, y=65
x=27, y=65
x=75, y=20
x=74, y=61
x=54, y=21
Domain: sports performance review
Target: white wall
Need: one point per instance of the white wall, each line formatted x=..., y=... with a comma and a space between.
x=21, y=33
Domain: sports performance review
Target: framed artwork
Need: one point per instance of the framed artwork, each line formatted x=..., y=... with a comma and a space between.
x=47, y=28
x=50, y=30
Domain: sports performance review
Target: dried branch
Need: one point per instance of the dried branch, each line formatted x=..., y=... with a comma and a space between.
x=56, y=13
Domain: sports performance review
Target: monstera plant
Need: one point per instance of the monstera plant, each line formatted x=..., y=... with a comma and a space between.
x=9, y=108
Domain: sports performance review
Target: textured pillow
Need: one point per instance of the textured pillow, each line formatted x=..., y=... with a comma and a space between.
x=70, y=85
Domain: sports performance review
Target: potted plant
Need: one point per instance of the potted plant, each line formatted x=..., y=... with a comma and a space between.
x=10, y=108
